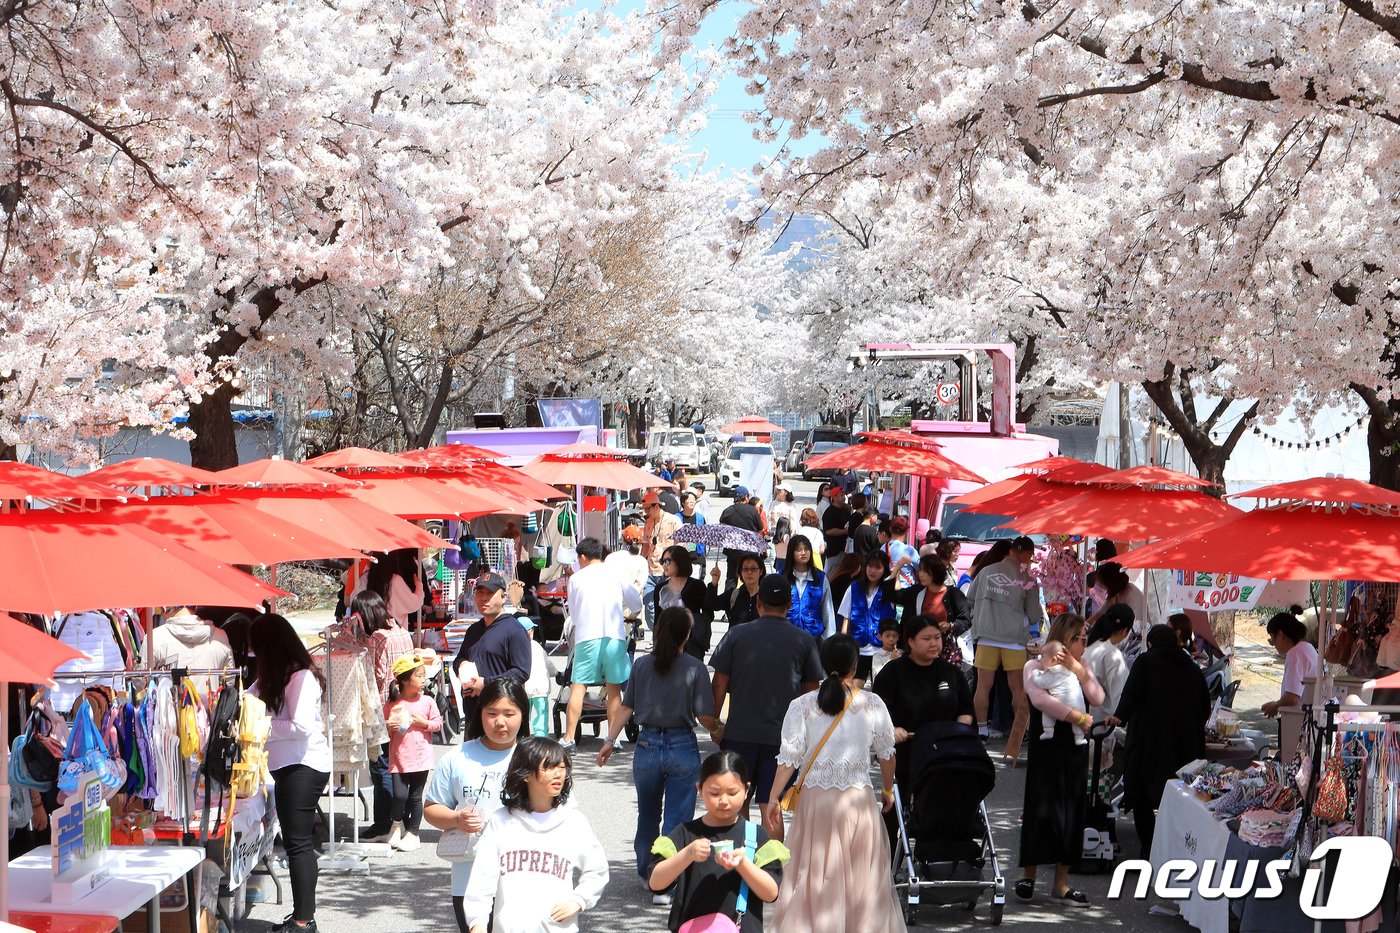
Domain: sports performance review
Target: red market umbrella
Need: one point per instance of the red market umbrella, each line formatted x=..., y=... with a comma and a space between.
x=27, y=656
x=884, y=457
x=1149, y=477
x=342, y=518
x=419, y=497
x=1046, y=464
x=19, y=481
x=509, y=479
x=752, y=424
x=1126, y=514
x=360, y=458
x=229, y=530
x=1036, y=492
x=151, y=471
x=1285, y=543
x=280, y=474
x=590, y=465
x=1325, y=490
x=506, y=501
x=450, y=455
x=69, y=562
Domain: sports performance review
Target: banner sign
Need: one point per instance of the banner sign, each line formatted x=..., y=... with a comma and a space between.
x=1213, y=592
x=571, y=412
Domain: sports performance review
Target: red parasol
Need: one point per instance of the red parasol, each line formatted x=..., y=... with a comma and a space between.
x=27, y=655
x=1149, y=477
x=507, y=500
x=450, y=455
x=342, y=518
x=20, y=481
x=584, y=464
x=229, y=530
x=280, y=474
x=1046, y=464
x=420, y=497
x=752, y=424
x=509, y=479
x=151, y=471
x=70, y=562
x=1036, y=492
x=1323, y=491
x=1126, y=514
x=884, y=457
x=360, y=458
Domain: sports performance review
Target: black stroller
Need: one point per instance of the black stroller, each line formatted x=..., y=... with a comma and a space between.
x=944, y=859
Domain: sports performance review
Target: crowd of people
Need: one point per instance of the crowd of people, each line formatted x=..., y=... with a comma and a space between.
x=831, y=662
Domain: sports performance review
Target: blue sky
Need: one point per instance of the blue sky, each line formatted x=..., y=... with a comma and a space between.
x=727, y=139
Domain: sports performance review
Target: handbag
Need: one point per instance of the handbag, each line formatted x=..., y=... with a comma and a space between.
x=722, y=923
x=467, y=544
x=794, y=793
x=86, y=752
x=456, y=845
x=1339, y=649
x=1330, y=806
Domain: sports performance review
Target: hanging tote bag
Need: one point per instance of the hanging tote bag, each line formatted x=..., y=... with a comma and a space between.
x=87, y=752
x=190, y=745
x=1331, y=803
x=721, y=923
x=794, y=793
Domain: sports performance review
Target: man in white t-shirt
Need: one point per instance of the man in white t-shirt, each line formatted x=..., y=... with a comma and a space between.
x=598, y=604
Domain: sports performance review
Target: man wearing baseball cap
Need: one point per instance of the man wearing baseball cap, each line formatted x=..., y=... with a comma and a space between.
x=656, y=538
x=762, y=667
x=741, y=514
x=494, y=650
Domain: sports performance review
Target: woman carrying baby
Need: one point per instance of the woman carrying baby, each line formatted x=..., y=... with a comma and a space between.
x=1061, y=689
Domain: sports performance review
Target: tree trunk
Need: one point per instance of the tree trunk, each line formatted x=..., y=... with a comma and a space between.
x=8, y=452
x=215, y=444
x=1176, y=400
x=1382, y=437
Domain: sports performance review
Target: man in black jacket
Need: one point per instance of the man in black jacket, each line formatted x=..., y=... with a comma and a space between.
x=741, y=514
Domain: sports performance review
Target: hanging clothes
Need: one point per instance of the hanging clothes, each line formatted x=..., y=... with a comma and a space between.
x=352, y=713
x=92, y=634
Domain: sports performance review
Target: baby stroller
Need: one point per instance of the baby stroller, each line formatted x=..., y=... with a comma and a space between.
x=945, y=839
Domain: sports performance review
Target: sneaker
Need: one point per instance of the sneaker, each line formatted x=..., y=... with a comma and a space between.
x=661, y=900
x=995, y=734
x=395, y=838
x=408, y=842
x=568, y=746
x=618, y=745
x=291, y=926
x=375, y=834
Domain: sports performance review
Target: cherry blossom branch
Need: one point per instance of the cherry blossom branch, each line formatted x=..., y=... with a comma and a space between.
x=1153, y=79
x=1367, y=11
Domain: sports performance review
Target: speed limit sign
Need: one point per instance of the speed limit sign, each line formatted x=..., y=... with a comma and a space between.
x=948, y=393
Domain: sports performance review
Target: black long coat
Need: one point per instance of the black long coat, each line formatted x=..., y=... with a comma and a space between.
x=1165, y=704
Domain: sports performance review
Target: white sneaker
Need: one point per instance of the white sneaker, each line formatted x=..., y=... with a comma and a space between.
x=568, y=746
x=661, y=900
x=395, y=837
x=407, y=843
x=621, y=741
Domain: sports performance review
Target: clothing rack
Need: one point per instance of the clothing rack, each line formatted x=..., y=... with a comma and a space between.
x=337, y=857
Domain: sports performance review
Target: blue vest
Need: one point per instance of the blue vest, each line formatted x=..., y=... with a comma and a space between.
x=867, y=616
x=806, y=610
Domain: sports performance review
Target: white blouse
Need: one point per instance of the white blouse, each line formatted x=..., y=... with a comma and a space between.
x=844, y=761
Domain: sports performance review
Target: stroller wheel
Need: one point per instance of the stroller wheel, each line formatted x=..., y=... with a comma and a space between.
x=972, y=904
x=996, y=914
x=911, y=916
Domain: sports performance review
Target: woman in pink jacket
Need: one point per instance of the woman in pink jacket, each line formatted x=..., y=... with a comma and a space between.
x=1052, y=820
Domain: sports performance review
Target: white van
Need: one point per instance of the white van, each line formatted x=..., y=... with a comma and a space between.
x=679, y=444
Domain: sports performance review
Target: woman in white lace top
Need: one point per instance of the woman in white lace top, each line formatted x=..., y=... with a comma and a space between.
x=839, y=876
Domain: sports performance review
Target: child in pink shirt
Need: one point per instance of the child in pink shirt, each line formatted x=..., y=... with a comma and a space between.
x=412, y=718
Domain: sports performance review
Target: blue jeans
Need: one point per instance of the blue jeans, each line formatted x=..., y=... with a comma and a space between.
x=665, y=763
x=648, y=604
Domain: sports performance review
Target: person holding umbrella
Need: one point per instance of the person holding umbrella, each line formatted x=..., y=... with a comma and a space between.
x=744, y=516
x=657, y=535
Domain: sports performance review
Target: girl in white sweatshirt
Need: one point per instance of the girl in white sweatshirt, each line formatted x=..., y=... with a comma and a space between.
x=531, y=847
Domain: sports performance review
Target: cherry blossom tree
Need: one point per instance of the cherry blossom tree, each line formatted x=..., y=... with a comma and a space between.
x=273, y=151
x=1190, y=195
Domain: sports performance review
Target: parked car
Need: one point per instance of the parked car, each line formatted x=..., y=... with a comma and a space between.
x=793, y=461
x=821, y=440
x=729, y=469
x=679, y=444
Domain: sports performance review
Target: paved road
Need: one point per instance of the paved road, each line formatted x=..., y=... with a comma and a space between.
x=412, y=893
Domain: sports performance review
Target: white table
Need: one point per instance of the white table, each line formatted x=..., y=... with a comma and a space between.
x=1187, y=830
x=141, y=873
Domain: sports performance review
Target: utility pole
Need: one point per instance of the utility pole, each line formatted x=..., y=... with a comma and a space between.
x=1125, y=429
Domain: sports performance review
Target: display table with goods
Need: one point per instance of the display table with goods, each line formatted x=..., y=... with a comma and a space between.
x=139, y=875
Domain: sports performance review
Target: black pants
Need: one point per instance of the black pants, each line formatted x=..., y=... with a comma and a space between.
x=383, y=791
x=461, y=913
x=297, y=790
x=1145, y=821
x=408, y=799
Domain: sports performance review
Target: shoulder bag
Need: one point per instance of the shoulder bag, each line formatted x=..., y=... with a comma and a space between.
x=794, y=793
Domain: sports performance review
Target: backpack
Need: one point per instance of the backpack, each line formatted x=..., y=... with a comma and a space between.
x=254, y=725
x=221, y=754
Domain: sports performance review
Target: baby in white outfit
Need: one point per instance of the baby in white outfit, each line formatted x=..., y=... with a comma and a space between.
x=1060, y=682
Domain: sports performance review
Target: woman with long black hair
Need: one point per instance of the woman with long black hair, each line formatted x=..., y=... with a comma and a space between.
x=298, y=754
x=682, y=590
x=398, y=579
x=668, y=692
x=867, y=602
x=839, y=876
x=811, y=608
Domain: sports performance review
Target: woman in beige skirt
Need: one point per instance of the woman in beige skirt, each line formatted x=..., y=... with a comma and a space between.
x=839, y=876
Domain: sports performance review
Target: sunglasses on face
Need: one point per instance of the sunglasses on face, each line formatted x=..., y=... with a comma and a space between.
x=666, y=560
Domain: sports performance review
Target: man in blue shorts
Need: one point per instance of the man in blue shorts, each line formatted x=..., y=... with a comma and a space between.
x=598, y=602
x=763, y=666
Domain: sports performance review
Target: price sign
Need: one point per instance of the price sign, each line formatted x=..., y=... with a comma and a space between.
x=82, y=837
x=1214, y=592
x=948, y=393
